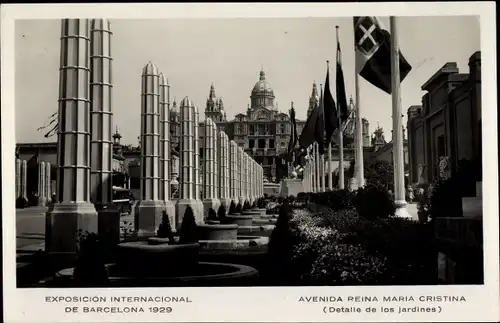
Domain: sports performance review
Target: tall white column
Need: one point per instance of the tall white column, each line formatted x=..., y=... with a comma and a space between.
x=48, y=181
x=233, y=160
x=42, y=199
x=209, y=165
x=197, y=165
x=399, y=177
x=165, y=160
x=73, y=210
x=217, y=147
x=101, y=142
x=187, y=181
x=224, y=178
x=150, y=207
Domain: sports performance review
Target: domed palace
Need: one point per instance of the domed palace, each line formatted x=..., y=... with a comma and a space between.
x=263, y=131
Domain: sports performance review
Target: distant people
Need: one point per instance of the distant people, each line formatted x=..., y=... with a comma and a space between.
x=411, y=196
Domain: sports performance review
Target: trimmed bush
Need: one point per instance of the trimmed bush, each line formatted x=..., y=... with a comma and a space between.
x=232, y=208
x=188, y=232
x=221, y=213
x=445, y=200
x=238, y=208
x=165, y=228
x=374, y=202
x=246, y=205
x=90, y=269
x=212, y=216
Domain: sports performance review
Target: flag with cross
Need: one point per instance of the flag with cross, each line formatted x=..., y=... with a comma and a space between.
x=373, y=53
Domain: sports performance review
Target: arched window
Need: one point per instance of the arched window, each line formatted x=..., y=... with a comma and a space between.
x=282, y=128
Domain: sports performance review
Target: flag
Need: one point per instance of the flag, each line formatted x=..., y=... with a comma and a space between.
x=340, y=87
x=331, y=120
x=319, y=129
x=293, y=139
x=51, y=122
x=373, y=53
x=308, y=132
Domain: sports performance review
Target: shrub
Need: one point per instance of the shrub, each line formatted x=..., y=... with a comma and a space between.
x=246, y=205
x=374, y=202
x=90, y=269
x=165, y=228
x=211, y=215
x=238, y=208
x=281, y=246
x=221, y=213
x=21, y=203
x=188, y=232
x=445, y=200
x=232, y=208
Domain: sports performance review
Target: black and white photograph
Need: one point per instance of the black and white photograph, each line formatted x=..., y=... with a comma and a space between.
x=315, y=151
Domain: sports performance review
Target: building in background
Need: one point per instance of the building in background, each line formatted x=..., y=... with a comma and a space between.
x=448, y=126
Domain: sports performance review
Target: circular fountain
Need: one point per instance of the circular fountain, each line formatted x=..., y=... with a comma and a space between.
x=167, y=261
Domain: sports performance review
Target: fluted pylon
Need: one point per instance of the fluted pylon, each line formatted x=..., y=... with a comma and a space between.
x=150, y=134
x=101, y=142
x=209, y=164
x=233, y=167
x=164, y=138
x=48, y=181
x=186, y=148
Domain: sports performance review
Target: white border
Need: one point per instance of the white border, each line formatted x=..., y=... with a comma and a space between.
x=256, y=304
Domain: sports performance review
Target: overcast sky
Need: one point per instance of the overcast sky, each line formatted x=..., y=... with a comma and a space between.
x=230, y=53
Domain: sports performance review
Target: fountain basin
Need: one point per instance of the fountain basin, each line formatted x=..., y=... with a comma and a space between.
x=256, y=230
x=204, y=274
x=145, y=258
x=254, y=213
x=217, y=231
x=265, y=221
x=240, y=220
x=240, y=242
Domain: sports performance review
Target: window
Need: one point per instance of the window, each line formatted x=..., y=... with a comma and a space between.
x=271, y=143
x=252, y=130
x=282, y=144
x=262, y=143
x=251, y=143
x=282, y=128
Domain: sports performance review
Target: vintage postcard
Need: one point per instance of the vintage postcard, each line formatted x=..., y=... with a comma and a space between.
x=291, y=162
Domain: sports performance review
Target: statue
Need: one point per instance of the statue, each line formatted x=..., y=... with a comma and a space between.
x=444, y=167
x=421, y=173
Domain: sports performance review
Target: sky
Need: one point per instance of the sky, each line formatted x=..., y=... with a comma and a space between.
x=194, y=53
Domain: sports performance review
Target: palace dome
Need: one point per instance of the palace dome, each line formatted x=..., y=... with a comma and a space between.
x=262, y=87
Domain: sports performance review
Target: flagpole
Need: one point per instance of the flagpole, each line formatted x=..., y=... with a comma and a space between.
x=359, y=167
x=397, y=132
x=330, y=185
x=341, y=135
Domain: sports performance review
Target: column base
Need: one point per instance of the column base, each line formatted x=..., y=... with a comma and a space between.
x=208, y=204
x=401, y=211
x=180, y=209
x=148, y=217
x=63, y=221
x=42, y=201
x=226, y=203
x=108, y=226
x=170, y=209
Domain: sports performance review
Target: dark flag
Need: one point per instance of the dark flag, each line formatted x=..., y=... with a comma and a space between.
x=373, y=53
x=331, y=121
x=293, y=139
x=340, y=87
x=307, y=136
x=319, y=130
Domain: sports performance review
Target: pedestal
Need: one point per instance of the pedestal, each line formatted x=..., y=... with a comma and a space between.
x=401, y=211
x=62, y=223
x=210, y=204
x=108, y=227
x=170, y=209
x=148, y=217
x=180, y=209
x=291, y=187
